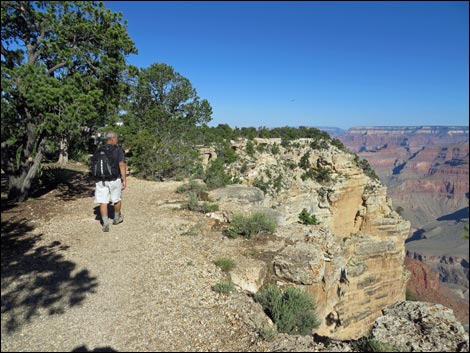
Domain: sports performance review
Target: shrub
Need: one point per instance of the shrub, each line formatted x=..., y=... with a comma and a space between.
x=223, y=287
x=306, y=218
x=194, y=205
x=193, y=185
x=372, y=345
x=275, y=149
x=215, y=176
x=292, y=311
x=368, y=170
x=338, y=144
x=225, y=264
x=304, y=161
x=250, y=148
x=410, y=296
x=251, y=224
x=400, y=210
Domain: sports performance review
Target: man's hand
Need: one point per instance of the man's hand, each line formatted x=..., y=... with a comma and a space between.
x=123, y=185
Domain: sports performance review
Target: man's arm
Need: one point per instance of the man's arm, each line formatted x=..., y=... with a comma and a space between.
x=122, y=168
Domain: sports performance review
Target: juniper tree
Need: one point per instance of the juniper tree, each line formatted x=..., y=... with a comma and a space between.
x=62, y=65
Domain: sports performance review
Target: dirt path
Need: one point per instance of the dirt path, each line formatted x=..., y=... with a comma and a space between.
x=144, y=286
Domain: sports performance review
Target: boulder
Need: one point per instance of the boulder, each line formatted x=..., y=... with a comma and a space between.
x=420, y=327
x=249, y=274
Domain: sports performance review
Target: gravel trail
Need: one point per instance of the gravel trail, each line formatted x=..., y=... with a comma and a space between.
x=144, y=286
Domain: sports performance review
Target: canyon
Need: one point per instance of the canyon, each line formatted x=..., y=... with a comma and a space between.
x=426, y=170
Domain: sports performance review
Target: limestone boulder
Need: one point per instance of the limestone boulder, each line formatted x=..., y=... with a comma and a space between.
x=420, y=327
x=301, y=263
x=249, y=274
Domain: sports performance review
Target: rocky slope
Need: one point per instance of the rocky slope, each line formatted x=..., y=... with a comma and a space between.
x=352, y=261
x=424, y=285
x=147, y=284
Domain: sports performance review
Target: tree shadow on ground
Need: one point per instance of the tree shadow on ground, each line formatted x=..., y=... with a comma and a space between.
x=70, y=184
x=97, y=349
x=36, y=278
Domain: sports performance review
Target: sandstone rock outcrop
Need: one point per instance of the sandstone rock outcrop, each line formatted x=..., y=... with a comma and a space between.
x=352, y=262
x=420, y=327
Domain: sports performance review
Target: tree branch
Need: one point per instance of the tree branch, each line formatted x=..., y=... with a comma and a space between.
x=57, y=67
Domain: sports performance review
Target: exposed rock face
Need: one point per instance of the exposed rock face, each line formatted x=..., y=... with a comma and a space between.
x=352, y=262
x=424, y=284
x=420, y=327
x=249, y=274
x=426, y=170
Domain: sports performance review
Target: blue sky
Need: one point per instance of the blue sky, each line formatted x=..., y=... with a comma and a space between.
x=293, y=63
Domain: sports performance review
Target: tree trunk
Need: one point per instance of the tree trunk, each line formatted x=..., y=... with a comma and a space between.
x=64, y=151
x=20, y=185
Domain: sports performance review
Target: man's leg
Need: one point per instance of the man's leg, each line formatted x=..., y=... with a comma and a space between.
x=104, y=216
x=117, y=213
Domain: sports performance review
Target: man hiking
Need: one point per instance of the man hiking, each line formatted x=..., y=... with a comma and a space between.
x=109, y=167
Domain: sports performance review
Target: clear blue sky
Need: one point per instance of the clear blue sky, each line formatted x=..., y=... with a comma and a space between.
x=292, y=63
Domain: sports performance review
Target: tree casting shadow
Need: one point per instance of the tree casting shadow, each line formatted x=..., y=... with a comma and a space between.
x=36, y=279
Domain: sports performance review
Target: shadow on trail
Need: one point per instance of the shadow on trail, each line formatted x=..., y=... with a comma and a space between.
x=97, y=349
x=37, y=279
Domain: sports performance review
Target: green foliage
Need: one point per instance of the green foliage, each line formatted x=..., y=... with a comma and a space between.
x=251, y=224
x=161, y=125
x=321, y=175
x=411, y=296
x=193, y=186
x=267, y=333
x=319, y=144
x=225, y=264
x=226, y=153
x=215, y=176
x=465, y=234
x=275, y=149
x=63, y=70
x=250, y=148
x=292, y=311
x=244, y=167
x=372, y=345
x=54, y=176
x=261, y=148
x=400, y=210
x=223, y=287
x=367, y=168
x=338, y=144
x=194, y=204
x=306, y=218
x=305, y=161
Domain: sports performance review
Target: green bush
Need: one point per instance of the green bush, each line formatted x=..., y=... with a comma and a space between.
x=194, y=205
x=292, y=311
x=275, y=149
x=250, y=148
x=306, y=218
x=367, y=168
x=223, y=287
x=225, y=264
x=411, y=296
x=193, y=185
x=215, y=176
x=372, y=345
x=304, y=161
x=251, y=224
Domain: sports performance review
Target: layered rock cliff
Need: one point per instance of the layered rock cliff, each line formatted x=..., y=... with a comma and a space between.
x=352, y=261
x=426, y=170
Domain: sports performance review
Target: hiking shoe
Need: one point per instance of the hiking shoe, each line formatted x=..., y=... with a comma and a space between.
x=106, y=228
x=119, y=220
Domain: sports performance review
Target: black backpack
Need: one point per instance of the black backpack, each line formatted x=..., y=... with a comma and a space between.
x=103, y=165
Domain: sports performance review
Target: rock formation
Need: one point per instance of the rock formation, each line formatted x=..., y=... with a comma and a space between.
x=426, y=170
x=352, y=261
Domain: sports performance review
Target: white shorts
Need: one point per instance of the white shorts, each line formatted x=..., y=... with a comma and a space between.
x=111, y=190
